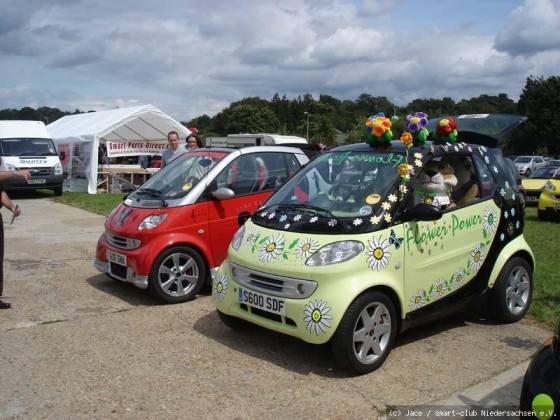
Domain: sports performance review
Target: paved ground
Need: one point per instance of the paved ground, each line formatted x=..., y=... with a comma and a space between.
x=77, y=345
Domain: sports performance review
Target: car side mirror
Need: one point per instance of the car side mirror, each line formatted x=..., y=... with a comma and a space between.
x=422, y=212
x=223, y=193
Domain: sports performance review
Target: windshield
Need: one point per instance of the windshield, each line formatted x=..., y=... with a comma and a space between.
x=28, y=147
x=337, y=188
x=181, y=175
x=523, y=159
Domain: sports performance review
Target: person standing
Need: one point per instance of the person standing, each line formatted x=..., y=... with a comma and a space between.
x=173, y=151
x=193, y=141
x=6, y=202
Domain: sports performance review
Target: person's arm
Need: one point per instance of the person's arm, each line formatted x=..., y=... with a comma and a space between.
x=6, y=175
x=7, y=202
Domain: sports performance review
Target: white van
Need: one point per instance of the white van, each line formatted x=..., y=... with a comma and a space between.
x=28, y=145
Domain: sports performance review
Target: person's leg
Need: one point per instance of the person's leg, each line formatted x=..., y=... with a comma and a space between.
x=3, y=305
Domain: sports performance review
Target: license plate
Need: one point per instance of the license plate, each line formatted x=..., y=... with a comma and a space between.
x=36, y=181
x=116, y=257
x=530, y=198
x=262, y=301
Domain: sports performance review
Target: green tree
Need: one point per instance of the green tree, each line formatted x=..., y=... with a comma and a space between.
x=251, y=119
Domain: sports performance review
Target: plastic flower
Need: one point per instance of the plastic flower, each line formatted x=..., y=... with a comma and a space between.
x=446, y=131
x=406, y=138
x=405, y=170
x=416, y=122
x=378, y=131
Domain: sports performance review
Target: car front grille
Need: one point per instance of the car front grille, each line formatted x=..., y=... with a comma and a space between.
x=281, y=286
x=121, y=241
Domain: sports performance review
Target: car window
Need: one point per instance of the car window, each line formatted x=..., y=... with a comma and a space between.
x=486, y=180
x=257, y=172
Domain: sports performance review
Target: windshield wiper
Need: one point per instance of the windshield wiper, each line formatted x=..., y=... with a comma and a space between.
x=154, y=193
x=309, y=209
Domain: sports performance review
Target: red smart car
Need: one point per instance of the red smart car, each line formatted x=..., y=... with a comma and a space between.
x=171, y=234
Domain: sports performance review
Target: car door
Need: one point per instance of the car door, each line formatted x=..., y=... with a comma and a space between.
x=443, y=256
x=252, y=178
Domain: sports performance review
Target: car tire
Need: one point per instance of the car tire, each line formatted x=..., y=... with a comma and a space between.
x=234, y=323
x=511, y=294
x=366, y=333
x=57, y=191
x=542, y=215
x=528, y=173
x=177, y=275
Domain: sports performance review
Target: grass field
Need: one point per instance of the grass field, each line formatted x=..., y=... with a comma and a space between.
x=541, y=236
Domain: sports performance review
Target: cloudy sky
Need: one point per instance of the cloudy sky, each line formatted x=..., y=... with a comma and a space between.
x=190, y=57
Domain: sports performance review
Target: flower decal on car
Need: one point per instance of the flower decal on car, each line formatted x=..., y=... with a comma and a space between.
x=438, y=288
x=477, y=257
x=458, y=277
x=220, y=286
x=378, y=254
x=418, y=299
x=317, y=316
x=490, y=221
x=272, y=248
x=306, y=248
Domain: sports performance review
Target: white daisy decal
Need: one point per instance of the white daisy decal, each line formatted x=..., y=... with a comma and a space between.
x=387, y=217
x=477, y=257
x=486, y=159
x=506, y=185
x=502, y=236
x=286, y=226
x=357, y=222
x=313, y=219
x=317, y=317
x=282, y=218
x=271, y=215
x=306, y=247
x=502, y=192
x=403, y=189
x=385, y=205
x=418, y=155
x=220, y=286
x=378, y=254
x=374, y=220
x=517, y=224
x=418, y=299
x=490, y=220
x=418, y=163
x=495, y=169
x=332, y=222
x=392, y=198
x=512, y=212
x=438, y=288
x=271, y=248
x=252, y=237
x=458, y=277
x=264, y=213
x=297, y=217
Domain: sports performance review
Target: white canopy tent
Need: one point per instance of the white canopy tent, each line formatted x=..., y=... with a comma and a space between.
x=140, y=130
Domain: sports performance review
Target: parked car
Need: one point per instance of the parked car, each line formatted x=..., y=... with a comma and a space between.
x=549, y=200
x=552, y=163
x=350, y=251
x=171, y=234
x=541, y=385
x=528, y=164
x=535, y=183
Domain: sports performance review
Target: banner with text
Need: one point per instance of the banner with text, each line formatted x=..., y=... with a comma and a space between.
x=135, y=148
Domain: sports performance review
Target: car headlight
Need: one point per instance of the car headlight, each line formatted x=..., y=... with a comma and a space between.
x=335, y=253
x=549, y=186
x=58, y=169
x=238, y=238
x=10, y=167
x=152, y=221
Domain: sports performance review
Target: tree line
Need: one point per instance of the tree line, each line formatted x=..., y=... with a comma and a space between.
x=336, y=121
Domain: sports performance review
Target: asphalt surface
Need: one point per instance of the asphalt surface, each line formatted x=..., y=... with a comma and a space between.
x=78, y=345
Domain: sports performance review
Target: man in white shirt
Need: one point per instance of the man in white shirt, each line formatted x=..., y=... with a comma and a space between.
x=173, y=151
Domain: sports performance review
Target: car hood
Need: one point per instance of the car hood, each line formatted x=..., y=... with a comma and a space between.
x=533, y=184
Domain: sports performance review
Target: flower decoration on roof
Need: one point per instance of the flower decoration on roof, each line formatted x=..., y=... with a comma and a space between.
x=378, y=131
x=416, y=127
x=446, y=131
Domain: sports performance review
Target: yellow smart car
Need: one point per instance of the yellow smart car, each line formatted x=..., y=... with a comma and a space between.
x=549, y=200
x=365, y=242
